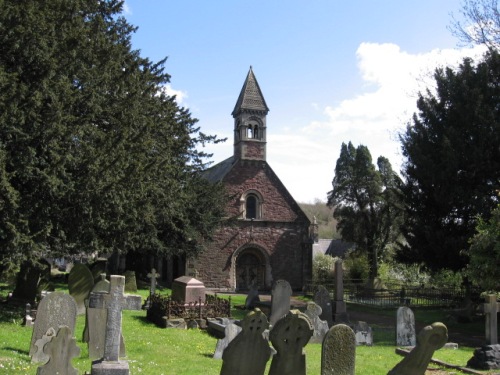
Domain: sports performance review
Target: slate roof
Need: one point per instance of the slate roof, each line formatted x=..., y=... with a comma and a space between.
x=219, y=171
x=251, y=97
x=334, y=248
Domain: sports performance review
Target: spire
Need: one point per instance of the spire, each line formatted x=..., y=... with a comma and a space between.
x=251, y=98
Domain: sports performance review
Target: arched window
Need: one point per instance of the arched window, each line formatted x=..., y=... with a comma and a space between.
x=251, y=207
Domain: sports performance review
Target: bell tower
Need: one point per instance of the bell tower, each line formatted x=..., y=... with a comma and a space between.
x=249, y=116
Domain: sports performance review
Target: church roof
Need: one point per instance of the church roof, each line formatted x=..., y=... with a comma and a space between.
x=251, y=97
x=219, y=171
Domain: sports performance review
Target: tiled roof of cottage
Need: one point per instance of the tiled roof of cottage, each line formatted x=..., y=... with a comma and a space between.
x=251, y=97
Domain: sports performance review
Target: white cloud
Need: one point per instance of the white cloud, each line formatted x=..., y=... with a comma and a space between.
x=392, y=78
x=179, y=95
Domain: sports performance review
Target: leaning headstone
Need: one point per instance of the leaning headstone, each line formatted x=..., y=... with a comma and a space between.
x=55, y=310
x=322, y=298
x=280, y=300
x=405, y=327
x=114, y=302
x=130, y=281
x=40, y=355
x=231, y=330
x=289, y=336
x=338, y=352
x=339, y=305
x=80, y=283
x=252, y=297
x=249, y=352
x=313, y=312
x=363, y=333
x=430, y=339
x=60, y=351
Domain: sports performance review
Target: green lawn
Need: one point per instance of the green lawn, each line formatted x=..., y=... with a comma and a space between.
x=156, y=351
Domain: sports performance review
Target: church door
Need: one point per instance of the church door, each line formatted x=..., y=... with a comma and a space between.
x=250, y=269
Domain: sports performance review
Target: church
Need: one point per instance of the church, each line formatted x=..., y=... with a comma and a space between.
x=271, y=236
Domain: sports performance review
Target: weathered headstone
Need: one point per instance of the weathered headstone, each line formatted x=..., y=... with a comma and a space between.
x=289, y=336
x=280, y=300
x=313, y=312
x=252, y=297
x=249, y=352
x=338, y=353
x=114, y=302
x=405, y=327
x=130, y=281
x=339, y=305
x=363, y=333
x=188, y=290
x=230, y=332
x=56, y=309
x=80, y=283
x=491, y=309
x=430, y=339
x=323, y=299
x=40, y=355
x=60, y=351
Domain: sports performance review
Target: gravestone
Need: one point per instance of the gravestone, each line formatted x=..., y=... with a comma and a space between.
x=40, y=355
x=114, y=302
x=98, y=268
x=80, y=283
x=363, y=333
x=339, y=305
x=430, y=339
x=405, y=327
x=313, y=312
x=230, y=332
x=60, y=351
x=491, y=309
x=322, y=298
x=289, y=336
x=130, y=281
x=29, y=279
x=252, y=297
x=187, y=289
x=338, y=353
x=56, y=309
x=249, y=351
x=152, y=276
x=28, y=319
x=101, y=285
x=280, y=300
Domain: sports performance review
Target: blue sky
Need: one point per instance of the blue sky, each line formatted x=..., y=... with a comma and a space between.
x=330, y=71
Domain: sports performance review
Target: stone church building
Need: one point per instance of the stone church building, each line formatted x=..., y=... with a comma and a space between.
x=270, y=238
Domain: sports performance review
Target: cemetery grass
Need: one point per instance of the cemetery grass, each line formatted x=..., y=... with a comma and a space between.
x=156, y=351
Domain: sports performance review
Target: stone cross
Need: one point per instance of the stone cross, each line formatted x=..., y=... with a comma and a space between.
x=339, y=306
x=60, y=351
x=115, y=301
x=153, y=275
x=491, y=308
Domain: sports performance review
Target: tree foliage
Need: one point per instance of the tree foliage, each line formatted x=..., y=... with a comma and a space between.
x=452, y=166
x=481, y=24
x=366, y=201
x=94, y=155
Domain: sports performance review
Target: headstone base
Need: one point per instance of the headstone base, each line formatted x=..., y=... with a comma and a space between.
x=101, y=367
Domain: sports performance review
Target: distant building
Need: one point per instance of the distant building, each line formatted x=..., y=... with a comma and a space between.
x=271, y=237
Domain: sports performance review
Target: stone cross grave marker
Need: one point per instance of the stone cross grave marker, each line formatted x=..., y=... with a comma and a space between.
x=289, y=336
x=249, y=352
x=338, y=353
x=280, y=300
x=322, y=298
x=491, y=309
x=80, y=283
x=40, y=355
x=313, y=312
x=153, y=275
x=60, y=351
x=339, y=306
x=55, y=310
x=430, y=339
x=405, y=327
x=114, y=302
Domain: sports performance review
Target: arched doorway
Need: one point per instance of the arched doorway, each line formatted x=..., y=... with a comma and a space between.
x=250, y=269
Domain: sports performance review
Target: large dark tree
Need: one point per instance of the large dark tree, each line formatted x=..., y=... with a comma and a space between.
x=366, y=201
x=94, y=156
x=452, y=167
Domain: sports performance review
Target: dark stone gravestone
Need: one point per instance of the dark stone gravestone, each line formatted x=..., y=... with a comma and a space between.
x=322, y=298
x=187, y=289
x=289, y=336
x=80, y=283
x=55, y=310
x=60, y=351
x=430, y=339
x=130, y=281
x=249, y=351
x=280, y=300
x=252, y=297
x=29, y=280
x=338, y=353
x=98, y=268
x=114, y=302
x=339, y=305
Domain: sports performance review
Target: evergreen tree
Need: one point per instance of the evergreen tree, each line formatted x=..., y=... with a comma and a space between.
x=452, y=166
x=94, y=156
x=366, y=201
